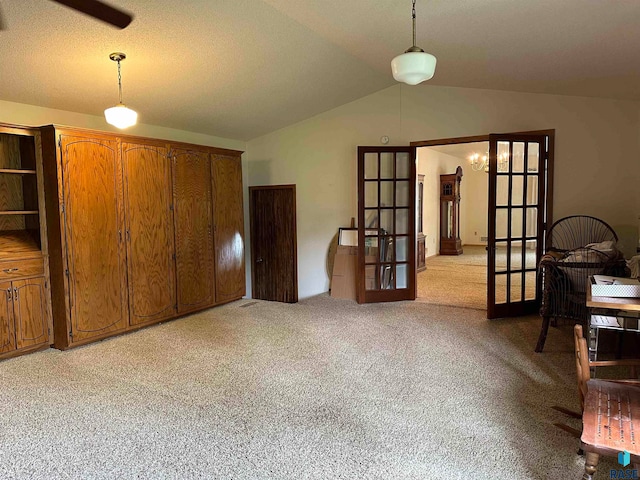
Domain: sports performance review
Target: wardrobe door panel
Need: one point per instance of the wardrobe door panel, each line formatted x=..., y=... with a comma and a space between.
x=93, y=230
x=194, y=244
x=228, y=221
x=149, y=233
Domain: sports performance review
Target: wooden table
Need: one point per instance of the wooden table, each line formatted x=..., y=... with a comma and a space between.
x=613, y=303
x=626, y=310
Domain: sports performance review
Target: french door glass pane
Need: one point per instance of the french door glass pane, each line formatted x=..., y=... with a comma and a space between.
x=371, y=166
x=402, y=276
x=504, y=158
x=372, y=219
x=402, y=194
x=371, y=194
x=501, y=223
x=501, y=257
x=386, y=165
x=501, y=289
x=386, y=193
x=402, y=249
x=387, y=221
x=516, y=222
x=534, y=157
x=517, y=187
x=530, y=283
x=532, y=189
x=402, y=221
x=403, y=164
x=502, y=191
x=517, y=156
x=532, y=222
x=530, y=261
x=516, y=287
x=517, y=249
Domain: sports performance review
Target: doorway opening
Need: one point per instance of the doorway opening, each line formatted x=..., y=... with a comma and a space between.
x=459, y=279
x=497, y=219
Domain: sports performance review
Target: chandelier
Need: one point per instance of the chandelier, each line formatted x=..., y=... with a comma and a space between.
x=479, y=162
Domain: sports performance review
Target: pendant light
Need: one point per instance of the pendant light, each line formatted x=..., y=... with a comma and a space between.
x=120, y=116
x=414, y=65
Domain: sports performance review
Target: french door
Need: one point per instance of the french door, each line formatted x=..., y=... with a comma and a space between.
x=518, y=182
x=386, y=224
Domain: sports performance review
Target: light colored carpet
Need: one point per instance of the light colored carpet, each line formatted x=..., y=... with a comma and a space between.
x=323, y=389
x=461, y=280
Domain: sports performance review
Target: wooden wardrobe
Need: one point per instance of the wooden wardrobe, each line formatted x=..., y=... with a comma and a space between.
x=140, y=231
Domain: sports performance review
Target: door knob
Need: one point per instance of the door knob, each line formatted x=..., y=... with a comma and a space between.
x=259, y=260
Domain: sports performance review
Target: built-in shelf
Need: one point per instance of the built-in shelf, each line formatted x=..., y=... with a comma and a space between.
x=19, y=212
x=17, y=243
x=19, y=171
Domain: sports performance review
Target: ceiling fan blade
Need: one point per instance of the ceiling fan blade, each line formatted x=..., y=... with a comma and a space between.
x=99, y=10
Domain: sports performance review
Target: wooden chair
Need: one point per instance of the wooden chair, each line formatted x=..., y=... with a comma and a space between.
x=610, y=409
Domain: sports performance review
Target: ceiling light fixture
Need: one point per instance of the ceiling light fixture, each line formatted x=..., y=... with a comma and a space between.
x=120, y=116
x=479, y=163
x=414, y=65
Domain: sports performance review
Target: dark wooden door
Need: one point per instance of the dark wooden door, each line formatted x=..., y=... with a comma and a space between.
x=273, y=243
x=386, y=224
x=30, y=310
x=193, y=229
x=517, y=209
x=228, y=227
x=7, y=331
x=93, y=230
x=149, y=233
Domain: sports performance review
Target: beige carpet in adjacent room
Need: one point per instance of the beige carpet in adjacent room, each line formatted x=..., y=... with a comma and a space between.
x=322, y=389
x=461, y=280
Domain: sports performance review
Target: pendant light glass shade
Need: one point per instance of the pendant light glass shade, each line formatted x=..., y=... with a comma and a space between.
x=413, y=67
x=120, y=116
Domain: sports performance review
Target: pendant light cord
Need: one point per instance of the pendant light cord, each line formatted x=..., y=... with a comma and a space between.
x=119, y=82
x=413, y=17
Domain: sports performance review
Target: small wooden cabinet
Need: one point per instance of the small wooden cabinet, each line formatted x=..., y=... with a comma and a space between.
x=140, y=231
x=25, y=320
x=24, y=317
x=450, y=242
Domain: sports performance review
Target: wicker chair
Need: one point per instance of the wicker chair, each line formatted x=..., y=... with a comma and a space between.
x=572, y=256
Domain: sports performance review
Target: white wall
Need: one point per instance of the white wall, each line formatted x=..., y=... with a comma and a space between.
x=433, y=164
x=31, y=115
x=597, y=157
x=474, y=214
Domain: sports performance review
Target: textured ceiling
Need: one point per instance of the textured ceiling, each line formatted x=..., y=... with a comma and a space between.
x=242, y=68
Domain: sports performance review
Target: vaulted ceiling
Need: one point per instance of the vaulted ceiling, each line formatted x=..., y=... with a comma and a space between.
x=242, y=68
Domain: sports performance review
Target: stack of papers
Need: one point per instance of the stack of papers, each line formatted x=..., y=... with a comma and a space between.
x=604, y=321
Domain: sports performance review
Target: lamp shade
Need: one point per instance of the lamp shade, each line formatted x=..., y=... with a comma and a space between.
x=120, y=116
x=413, y=67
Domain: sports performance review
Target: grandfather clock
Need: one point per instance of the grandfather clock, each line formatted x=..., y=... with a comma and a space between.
x=450, y=243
